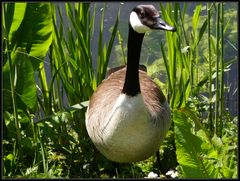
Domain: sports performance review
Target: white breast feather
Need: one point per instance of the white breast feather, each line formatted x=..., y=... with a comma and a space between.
x=127, y=114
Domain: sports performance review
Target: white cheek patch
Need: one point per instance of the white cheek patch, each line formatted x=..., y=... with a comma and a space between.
x=137, y=24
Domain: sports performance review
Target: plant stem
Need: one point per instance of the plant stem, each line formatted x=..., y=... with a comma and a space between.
x=210, y=70
x=43, y=81
x=44, y=161
x=222, y=71
x=12, y=78
x=217, y=74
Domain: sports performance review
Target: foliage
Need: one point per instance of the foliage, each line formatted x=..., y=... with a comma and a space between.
x=44, y=101
x=25, y=45
x=187, y=86
x=199, y=155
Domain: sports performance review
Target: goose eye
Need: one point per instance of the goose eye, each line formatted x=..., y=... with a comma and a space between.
x=142, y=15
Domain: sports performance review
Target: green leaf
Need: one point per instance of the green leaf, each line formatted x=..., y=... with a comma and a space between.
x=33, y=33
x=79, y=106
x=190, y=155
x=195, y=18
x=26, y=86
x=187, y=146
x=201, y=32
x=18, y=15
x=167, y=68
x=10, y=156
x=23, y=117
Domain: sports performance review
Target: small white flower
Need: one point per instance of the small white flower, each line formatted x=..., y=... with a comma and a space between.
x=152, y=175
x=85, y=166
x=172, y=173
x=185, y=49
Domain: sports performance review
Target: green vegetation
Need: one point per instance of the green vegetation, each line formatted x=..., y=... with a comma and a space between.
x=44, y=103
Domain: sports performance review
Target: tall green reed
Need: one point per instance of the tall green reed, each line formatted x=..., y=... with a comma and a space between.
x=210, y=116
x=187, y=85
x=219, y=69
x=71, y=58
x=183, y=59
x=222, y=91
x=73, y=79
x=74, y=60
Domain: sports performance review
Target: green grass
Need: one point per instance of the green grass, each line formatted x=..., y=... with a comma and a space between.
x=44, y=134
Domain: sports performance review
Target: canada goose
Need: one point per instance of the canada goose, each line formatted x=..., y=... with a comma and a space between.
x=128, y=115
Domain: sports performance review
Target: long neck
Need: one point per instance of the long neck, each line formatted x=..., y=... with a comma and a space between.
x=131, y=85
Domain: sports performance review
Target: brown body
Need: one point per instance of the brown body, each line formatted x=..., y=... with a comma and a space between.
x=101, y=105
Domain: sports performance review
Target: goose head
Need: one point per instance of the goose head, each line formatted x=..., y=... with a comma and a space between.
x=144, y=18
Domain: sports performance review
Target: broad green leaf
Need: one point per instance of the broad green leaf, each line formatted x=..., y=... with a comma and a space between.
x=33, y=33
x=25, y=86
x=188, y=149
x=29, y=27
x=187, y=146
x=18, y=16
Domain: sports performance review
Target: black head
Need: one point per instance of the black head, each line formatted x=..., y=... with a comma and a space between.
x=146, y=17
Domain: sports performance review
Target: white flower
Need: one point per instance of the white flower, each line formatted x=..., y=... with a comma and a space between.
x=152, y=175
x=85, y=166
x=172, y=173
x=185, y=49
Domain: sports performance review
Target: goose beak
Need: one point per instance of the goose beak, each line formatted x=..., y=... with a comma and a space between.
x=162, y=25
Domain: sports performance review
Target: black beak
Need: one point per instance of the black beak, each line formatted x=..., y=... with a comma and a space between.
x=162, y=25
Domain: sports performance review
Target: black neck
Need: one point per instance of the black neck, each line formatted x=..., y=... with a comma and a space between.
x=131, y=85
